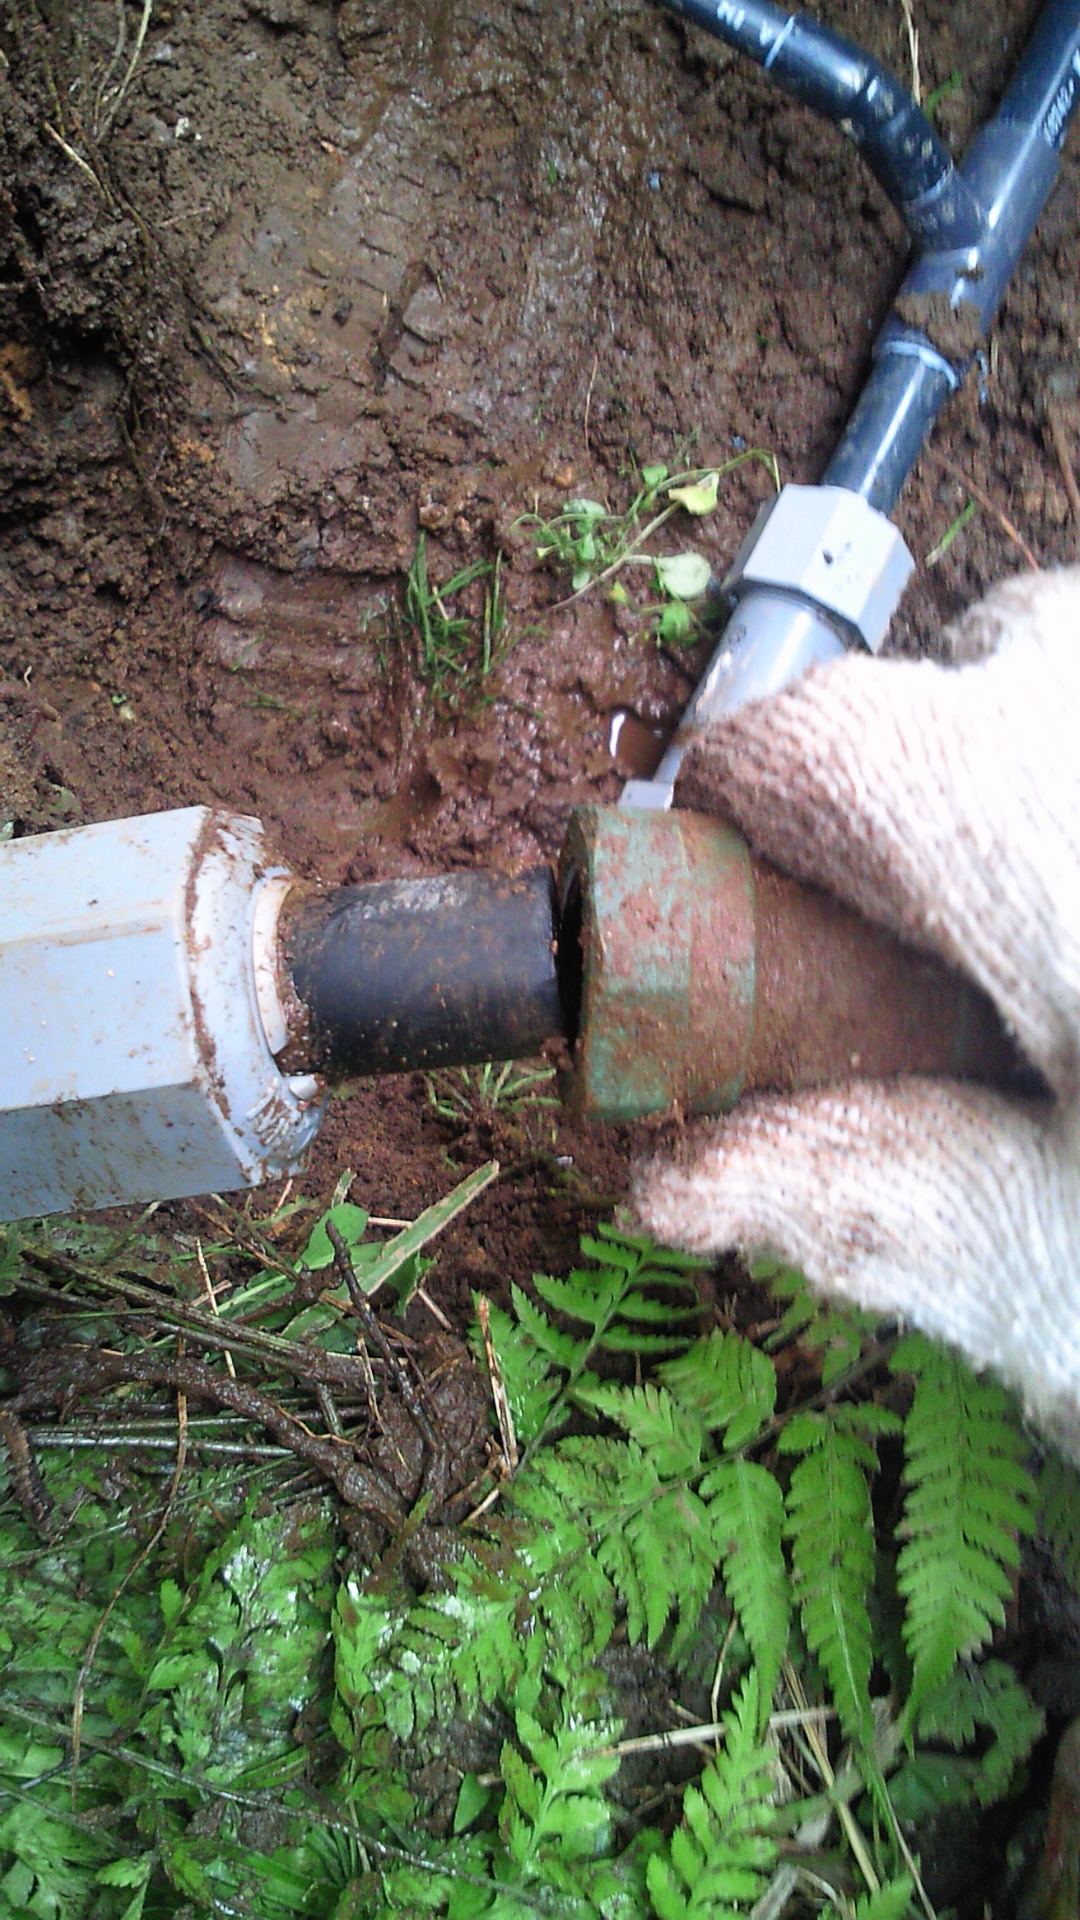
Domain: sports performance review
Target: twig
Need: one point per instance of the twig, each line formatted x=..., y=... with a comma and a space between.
x=1064, y=458
x=373, y=1332
x=358, y=1483
x=309, y=1363
x=984, y=500
x=847, y=1820
x=118, y=98
x=26, y=1482
x=78, y=161
x=718, y=1676
x=211, y=1296
x=503, y=1412
x=111, y=64
x=95, y=1638
x=588, y=402
x=697, y=1736
x=912, y=32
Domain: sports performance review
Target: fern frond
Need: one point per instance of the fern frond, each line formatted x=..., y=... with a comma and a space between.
x=839, y=1334
x=955, y=1763
x=558, y=1346
x=555, y=1821
x=445, y=1655
x=722, y=1853
x=530, y=1384
x=728, y=1382
x=605, y=1501
x=969, y=1496
x=746, y=1514
x=830, y=1526
x=890, y=1902
x=672, y=1434
x=611, y=1299
x=1059, y=1515
x=615, y=1300
x=976, y=1701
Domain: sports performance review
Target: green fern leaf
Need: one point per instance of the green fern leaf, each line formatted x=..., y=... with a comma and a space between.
x=1059, y=1515
x=830, y=1526
x=746, y=1515
x=672, y=1434
x=723, y=1851
x=891, y=1902
x=969, y=1496
x=444, y=1656
x=976, y=1701
x=554, y=1813
x=974, y=1734
x=728, y=1382
x=603, y=1504
x=839, y=1334
x=558, y=1346
x=530, y=1385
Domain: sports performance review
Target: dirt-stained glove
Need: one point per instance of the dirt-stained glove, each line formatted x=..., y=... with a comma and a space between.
x=943, y=803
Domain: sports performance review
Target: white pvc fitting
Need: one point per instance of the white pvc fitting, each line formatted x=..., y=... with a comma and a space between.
x=140, y=1014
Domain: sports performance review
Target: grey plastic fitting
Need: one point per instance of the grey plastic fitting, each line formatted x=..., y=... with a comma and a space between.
x=827, y=547
x=141, y=1015
x=819, y=571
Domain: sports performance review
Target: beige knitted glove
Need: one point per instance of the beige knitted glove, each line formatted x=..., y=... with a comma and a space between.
x=944, y=803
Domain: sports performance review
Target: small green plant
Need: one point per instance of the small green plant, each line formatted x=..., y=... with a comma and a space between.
x=463, y=1095
x=952, y=532
x=594, y=545
x=954, y=84
x=454, y=644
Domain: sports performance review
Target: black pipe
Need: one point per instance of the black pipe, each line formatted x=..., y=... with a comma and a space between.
x=435, y=972
x=971, y=224
x=947, y=302
x=821, y=69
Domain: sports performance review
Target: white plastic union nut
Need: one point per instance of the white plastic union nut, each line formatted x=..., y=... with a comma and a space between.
x=138, y=1012
x=830, y=547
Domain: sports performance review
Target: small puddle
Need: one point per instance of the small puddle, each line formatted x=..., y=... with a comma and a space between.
x=635, y=748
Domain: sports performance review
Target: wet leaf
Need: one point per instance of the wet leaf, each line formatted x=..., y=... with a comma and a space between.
x=699, y=497
x=684, y=575
x=351, y=1223
x=676, y=624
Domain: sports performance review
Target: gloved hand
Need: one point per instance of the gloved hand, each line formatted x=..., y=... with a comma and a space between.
x=943, y=803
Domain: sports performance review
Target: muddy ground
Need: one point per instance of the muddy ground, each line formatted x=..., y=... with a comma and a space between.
x=320, y=279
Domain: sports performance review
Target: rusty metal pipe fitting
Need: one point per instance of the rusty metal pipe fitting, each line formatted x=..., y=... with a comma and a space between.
x=691, y=972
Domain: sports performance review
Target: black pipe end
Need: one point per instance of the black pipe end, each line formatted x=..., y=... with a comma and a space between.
x=447, y=971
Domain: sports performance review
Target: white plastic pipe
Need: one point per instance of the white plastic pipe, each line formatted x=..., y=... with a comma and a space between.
x=139, y=1015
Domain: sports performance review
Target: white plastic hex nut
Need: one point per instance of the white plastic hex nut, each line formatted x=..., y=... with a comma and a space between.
x=828, y=546
x=138, y=1010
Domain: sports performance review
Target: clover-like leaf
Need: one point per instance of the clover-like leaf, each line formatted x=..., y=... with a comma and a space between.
x=699, y=496
x=684, y=575
x=676, y=624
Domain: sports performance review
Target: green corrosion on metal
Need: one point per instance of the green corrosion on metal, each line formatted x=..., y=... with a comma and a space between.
x=667, y=962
